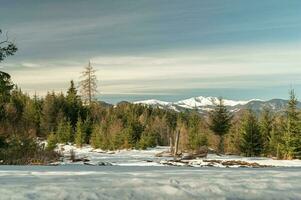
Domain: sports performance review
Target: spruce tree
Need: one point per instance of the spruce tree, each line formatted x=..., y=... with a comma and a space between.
x=220, y=122
x=64, y=132
x=51, y=141
x=290, y=145
x=96, y=139
x=6, y=87
x=195, y=138
x=251, y=142
x=73, y=104
x=80, y=134
x=266, y=127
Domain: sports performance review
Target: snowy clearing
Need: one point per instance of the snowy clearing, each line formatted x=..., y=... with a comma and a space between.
x=135, y=174
x=147, y=158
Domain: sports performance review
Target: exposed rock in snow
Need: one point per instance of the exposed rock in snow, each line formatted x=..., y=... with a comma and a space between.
x=89, y=156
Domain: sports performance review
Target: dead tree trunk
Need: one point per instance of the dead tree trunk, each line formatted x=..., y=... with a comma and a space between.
x=171, y=144
x=177, y=143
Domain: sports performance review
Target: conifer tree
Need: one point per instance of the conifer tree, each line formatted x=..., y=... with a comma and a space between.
x=266, y=128
x=6, y=87
x=290, y=145
x=88, y=84
x=195, y=138
x=73, y=104
x=251, y=142
x=220, y=122
x=51, y=141
x=95, y=139
x=171, y=121
x=64, y=131
x=80, y=134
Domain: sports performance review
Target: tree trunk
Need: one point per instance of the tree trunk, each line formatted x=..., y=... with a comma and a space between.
x=170, y=143
x=221, y=145
x=177, y=143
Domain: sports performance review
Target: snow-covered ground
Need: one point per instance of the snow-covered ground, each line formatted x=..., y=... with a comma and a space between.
x=148, y=158
x=134, y=174
x=132, y=182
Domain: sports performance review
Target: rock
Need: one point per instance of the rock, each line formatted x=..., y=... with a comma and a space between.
x=80, y=160
x=164, y=154
x=104, y=164
x=98, y=163
x=239, y=163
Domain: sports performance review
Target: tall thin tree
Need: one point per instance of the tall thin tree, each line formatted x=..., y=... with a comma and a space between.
x=88, y=84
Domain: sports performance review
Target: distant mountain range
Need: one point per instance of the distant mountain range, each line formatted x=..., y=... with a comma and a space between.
x=205, y=104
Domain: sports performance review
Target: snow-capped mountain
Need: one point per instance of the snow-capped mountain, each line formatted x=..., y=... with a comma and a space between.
x=205, y=104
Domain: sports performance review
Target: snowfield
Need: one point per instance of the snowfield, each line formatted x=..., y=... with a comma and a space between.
x=135, y=174
x=148, y=158
x=124, y=182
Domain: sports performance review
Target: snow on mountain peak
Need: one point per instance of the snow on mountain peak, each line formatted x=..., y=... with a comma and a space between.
x=152, y=102
x=207, y=101
x=195, y=102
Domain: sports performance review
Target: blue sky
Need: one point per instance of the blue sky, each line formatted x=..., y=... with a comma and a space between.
x=167, y=50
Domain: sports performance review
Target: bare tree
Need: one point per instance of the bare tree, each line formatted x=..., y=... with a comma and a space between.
x=88, y=84
x=7, y=47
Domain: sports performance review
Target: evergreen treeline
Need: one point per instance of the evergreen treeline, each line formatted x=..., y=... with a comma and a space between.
x=64, y=118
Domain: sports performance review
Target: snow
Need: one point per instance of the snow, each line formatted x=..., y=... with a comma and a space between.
x=119, y=157
x=152, y=102
x=138, y=174
x=148, y=158
x=194, y=102
x=208, y=101
x=124, y=182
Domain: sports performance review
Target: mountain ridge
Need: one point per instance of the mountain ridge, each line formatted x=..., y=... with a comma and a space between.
x=205, y=104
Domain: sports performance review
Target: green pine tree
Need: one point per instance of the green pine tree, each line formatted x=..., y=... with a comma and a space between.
x=290, y=146
x=96, y=139
x=251, y=142
x=51, y=141
x=220, y=122
x=74, y=104
x=195, y=138
x=80, y=136
x=266, y=127
x=64, y=131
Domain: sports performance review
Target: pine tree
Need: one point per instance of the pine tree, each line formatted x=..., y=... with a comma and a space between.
x=6, y=87
x=220, y=122
x=80, y=134
x=96, y=139
x=195, y=138
x=88, y=84
x=290, y=145
x=73, y=104
x=51, y=141
x=171, y=121
x=251, y=143
x=64, y=131
x=266, y=127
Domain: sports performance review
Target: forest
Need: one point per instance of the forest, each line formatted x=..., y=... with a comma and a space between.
x=78, y=117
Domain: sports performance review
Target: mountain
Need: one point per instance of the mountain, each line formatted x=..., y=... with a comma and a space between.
x=205, y=104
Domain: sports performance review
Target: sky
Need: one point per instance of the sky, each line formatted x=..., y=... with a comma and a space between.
x=163, y=49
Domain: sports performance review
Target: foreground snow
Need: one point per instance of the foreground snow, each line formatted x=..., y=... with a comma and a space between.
x=124, y=182
x=147, y=158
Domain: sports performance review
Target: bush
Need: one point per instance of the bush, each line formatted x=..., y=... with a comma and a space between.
x=26, y=151
x=51, y=141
